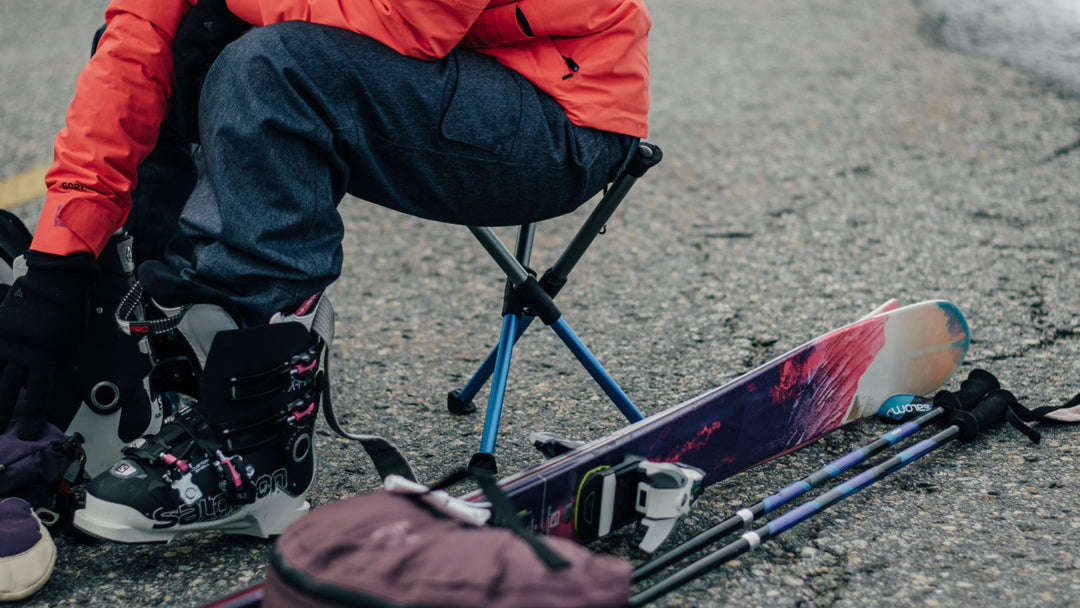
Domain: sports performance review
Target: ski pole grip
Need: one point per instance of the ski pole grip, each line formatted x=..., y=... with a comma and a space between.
x=990, y=411
x=978, y=384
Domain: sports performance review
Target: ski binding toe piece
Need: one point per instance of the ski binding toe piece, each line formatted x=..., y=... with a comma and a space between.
x=655, y=493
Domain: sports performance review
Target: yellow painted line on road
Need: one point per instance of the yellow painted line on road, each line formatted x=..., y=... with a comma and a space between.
x=23, y=187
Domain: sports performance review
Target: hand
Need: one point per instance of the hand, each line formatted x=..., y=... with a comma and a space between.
x=203, y=33
x=43, y=314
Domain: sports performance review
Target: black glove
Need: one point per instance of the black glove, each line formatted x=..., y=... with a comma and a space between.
x=203, y=33
x=42, y=316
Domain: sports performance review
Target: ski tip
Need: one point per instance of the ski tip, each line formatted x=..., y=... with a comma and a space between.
x=901, y=408
x=955, y=323
x=887, y=306
x=958, y=324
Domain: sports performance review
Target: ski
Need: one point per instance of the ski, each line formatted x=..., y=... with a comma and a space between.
x=651, y=470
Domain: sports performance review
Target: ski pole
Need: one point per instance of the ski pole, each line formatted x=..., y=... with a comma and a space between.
x=747, y=515
x=978, y=384
x=965, y=425
x=751, y=540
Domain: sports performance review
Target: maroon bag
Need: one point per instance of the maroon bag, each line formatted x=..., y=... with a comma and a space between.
x=390, y=549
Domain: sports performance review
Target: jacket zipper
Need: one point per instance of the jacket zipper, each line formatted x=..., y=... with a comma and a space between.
x=570, y=63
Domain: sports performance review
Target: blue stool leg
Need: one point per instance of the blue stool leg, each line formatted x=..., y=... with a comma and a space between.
x=596, y=370
x=533, y=295
x=460, y=401
x=482, y=373
x=498, y=383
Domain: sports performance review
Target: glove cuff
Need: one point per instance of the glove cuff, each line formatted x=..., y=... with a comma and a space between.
x=75, y=267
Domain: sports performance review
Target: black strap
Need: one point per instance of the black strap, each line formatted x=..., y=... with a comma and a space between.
x=504, y=514
x=1015, y=416
x=507, y=516
x=66, y=500
x=1068, y=412
x=388, y=460
x=981, y=402
x=1070, y=403
x=128, y=322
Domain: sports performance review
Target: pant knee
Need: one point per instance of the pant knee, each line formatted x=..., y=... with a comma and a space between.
x=260, y=58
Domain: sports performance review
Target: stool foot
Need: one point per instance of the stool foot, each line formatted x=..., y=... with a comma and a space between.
x=484, y=462
x=457, y=405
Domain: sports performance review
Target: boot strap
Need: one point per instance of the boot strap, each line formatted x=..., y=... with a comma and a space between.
x=286, y=377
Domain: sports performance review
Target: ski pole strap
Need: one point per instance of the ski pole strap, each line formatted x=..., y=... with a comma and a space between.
x=133, y=326
x=1068, y=412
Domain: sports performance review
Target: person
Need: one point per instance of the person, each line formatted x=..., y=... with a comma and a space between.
x=257, y=117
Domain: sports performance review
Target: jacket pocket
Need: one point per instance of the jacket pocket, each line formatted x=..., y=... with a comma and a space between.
x=498, y=25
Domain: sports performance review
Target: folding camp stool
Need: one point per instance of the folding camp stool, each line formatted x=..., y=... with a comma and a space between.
x=528, y=298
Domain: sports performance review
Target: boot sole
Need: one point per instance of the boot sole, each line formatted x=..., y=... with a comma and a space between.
x=266, y=517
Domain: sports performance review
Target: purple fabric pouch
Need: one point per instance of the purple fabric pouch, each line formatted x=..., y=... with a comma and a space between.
x=33, y=470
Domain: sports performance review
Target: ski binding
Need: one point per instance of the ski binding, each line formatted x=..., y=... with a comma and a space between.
x=656, y=493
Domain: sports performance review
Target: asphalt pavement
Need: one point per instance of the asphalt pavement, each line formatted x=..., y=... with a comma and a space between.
x=820, y=158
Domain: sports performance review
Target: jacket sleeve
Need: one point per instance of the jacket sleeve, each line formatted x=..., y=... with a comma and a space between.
x=423, y=29
x=111, y=126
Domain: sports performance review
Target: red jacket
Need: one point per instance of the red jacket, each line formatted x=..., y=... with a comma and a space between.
x=590, y=55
